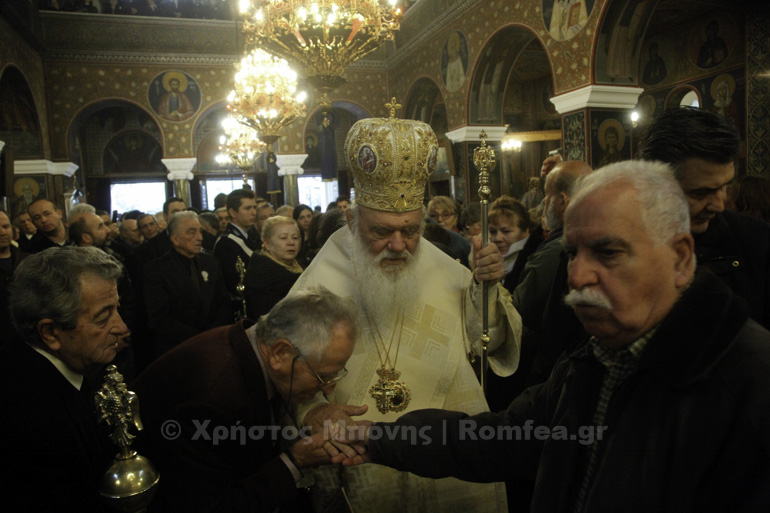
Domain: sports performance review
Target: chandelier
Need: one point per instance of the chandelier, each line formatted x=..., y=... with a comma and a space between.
x=264, y=95
x=322, y=37
x=510, y=143
x=240, y=145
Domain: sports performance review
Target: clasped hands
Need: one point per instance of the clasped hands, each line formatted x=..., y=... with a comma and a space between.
x=335, y=437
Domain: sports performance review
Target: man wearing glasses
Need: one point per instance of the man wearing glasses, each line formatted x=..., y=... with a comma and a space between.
x=215, y=406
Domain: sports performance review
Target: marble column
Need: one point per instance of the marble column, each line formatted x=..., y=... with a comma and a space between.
x=289, y=167
x=179, y=172
x=588, y=112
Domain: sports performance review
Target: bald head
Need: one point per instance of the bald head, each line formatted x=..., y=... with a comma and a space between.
x=558, y=190
x=87, y=229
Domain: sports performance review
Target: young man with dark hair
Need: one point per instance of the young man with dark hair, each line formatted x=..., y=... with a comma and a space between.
x=702, y=148
x=240, y=239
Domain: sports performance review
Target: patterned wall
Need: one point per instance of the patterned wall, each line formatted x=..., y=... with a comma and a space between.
x=570, y=59
x=758, y=93
x=575, y=136
x=16, y=52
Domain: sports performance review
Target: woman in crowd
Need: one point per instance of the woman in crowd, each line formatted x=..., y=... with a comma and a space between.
x=509, y=225
x=443, y=210
x=304, y=216
x=272, y=272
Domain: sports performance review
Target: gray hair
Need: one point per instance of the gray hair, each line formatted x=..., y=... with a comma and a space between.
x=307, y=319
x=210, y=219
x=664, y=207
x=47, y=285
x=175, y=220
x=82, y=208
x=270, y=223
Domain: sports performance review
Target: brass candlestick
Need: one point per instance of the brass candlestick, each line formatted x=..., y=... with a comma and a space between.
x=131, y=481
x=484, y=160
x=240, y=267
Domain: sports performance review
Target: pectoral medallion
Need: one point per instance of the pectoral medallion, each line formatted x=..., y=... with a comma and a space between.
x=389, y=393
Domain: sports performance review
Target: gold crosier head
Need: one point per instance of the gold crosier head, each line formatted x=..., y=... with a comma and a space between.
x=391, y=161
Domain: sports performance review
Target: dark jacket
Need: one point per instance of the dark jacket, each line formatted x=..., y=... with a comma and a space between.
x=227, y=252
x=213, y=377
x=536, y=280
x=43, y=243
x=267, y=282
x=6, y=326
x=176, y=310
x=736, y=247
x=689, y=430
x=51, y=445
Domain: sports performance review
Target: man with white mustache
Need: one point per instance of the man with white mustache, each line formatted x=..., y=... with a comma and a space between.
x=674, y=380
x=420, y=319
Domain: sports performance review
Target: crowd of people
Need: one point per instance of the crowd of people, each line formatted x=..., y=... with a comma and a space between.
x=628, y=343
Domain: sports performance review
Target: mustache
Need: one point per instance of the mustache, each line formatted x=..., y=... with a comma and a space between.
x=587, y=297
x=387, y=253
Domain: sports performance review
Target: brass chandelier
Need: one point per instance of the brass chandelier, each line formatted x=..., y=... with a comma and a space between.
x=265, y=97
x=240, y=145
x=322, y=37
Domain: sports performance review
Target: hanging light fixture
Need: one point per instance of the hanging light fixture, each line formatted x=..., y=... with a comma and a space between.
x=240, y=145
x=510, y=143
x=265, y=96
x=322, y=37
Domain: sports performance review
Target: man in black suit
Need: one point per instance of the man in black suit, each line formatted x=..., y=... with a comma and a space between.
x=64, y=303
x=27, y=232
x=184, y=293
x=153, y=248
x=240, y=238
x=48, y=221
x=10, y=257
x=244, y=377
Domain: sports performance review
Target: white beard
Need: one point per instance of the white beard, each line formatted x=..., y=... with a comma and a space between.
x=385, y=293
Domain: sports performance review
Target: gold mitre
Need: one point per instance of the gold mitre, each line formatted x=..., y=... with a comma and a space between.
x=391, y=161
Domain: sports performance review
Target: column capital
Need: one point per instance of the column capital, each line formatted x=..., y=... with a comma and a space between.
x=290, y=164
x=44, y=167
x=601, y=96
x=179, y=169
x=471, y=133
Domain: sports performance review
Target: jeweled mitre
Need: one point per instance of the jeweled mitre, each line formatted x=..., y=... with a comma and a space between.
x=391, y=160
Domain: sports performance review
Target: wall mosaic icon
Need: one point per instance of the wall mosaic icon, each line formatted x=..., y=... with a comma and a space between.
x=174, y=95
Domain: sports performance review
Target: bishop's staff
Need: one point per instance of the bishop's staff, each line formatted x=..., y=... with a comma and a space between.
x=484, y=160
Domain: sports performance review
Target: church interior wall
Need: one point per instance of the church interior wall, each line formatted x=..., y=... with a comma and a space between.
x=90, y=59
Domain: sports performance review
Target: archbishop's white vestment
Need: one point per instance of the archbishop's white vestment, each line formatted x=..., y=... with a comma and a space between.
x=435, y=340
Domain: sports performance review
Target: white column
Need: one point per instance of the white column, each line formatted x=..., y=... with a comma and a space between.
x=289, y=167
x=472, y=133
x=598, y=96
x=180, y=172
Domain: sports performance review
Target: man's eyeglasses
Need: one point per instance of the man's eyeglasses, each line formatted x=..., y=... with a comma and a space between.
x=442, y=215
x=321, y=381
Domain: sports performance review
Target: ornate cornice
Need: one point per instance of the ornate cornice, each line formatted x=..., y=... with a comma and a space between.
x=141, y=58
